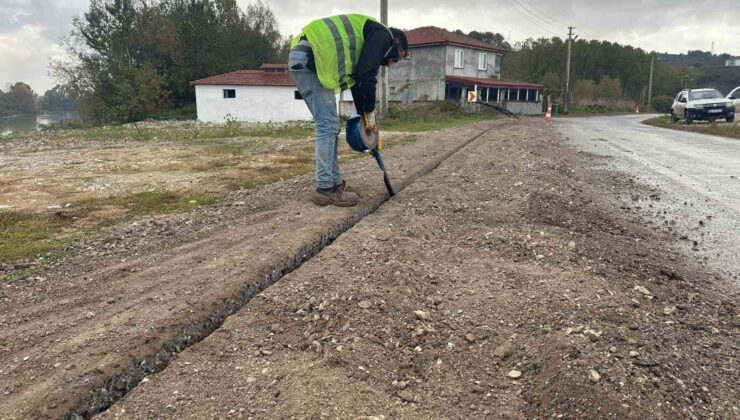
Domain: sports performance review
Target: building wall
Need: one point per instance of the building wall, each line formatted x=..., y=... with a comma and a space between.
x=251, y=104
x=524, y=108
x=470, y=63
x=420, y=78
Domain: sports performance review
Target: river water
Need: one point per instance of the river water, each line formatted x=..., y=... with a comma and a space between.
x=33, y=122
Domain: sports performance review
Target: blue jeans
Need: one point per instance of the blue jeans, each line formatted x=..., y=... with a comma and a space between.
x=323, y=106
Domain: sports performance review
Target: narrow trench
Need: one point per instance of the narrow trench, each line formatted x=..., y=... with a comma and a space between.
x=117, y=386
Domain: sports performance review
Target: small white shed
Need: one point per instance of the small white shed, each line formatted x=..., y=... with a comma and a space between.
x=265, y=95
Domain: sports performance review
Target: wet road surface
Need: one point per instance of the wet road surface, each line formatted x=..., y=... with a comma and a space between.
x=698, y=177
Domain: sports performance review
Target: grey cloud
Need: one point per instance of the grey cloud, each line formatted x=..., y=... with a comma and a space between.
x=649, y=24
x=54, y=16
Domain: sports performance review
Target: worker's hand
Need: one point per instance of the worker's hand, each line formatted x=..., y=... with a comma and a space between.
x=370, y=121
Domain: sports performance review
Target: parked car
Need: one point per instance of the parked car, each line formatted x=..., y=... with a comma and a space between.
x=702, y=104
x=734, y=96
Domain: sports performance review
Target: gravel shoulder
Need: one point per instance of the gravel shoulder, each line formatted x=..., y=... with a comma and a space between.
x=121, y=301
x=510, y=282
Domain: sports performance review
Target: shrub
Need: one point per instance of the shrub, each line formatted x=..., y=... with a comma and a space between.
x=662, y=103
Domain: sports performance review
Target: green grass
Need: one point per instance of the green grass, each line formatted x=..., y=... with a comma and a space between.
x=179, y=132
x=724, y=129
x=180, y=114
x=25, y=236
x=243, y=185
x=433, y=116
x=408, y=119
x=432, y=124
x=163, y=201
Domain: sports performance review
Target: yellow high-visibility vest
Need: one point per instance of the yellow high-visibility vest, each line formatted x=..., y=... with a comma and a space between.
x=336, y=42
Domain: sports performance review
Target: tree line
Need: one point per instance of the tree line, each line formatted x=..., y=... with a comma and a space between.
x=133, y=58
x=20, y=99
x=603, y=71
x=622, y=71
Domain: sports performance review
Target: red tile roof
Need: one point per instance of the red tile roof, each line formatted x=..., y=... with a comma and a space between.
x=274, y=66
x=432, y=35
x=483, y=82
x=248, y=77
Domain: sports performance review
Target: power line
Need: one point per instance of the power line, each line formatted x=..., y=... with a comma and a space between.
x=511, y=6
x=544, y=21
x=534, y=18
x=547, y=15
x=544, y=13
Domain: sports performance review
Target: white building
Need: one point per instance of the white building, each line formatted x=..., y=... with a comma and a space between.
x=734, y=62
x=263, y=95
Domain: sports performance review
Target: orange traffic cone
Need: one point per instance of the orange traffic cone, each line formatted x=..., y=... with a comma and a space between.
x=548, y=114
x=637, y=109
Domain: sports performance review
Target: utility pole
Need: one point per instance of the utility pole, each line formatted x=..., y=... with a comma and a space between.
x=567, y=69
x=650, y=83
x=384, y=69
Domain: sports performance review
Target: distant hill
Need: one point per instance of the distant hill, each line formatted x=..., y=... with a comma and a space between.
x=703, y=69
x=694, y=59
x=723, y=79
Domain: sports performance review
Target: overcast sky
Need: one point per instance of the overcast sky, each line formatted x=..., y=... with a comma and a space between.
x=30, y=29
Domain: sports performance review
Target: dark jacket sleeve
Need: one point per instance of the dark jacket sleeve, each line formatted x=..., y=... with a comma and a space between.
x=372, y=56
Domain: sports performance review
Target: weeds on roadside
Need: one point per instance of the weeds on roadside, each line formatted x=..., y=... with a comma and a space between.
x=162, y=201
x=24, y=236
x=433, y=116
x=718, y=128
x=600, y=106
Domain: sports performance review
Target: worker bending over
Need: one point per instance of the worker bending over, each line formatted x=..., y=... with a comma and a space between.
x=331, y=55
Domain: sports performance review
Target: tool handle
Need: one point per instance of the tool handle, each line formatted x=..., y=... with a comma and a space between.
x=386, y=180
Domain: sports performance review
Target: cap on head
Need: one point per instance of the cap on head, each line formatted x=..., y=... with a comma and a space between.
x=401, y=39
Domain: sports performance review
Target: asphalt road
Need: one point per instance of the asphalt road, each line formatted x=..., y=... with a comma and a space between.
x=696, y=178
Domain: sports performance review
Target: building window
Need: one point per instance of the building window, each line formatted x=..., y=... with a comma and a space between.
x=393, y=89
x=531, y=95
x=459, y=58
x=482, y=61
x=229, y=93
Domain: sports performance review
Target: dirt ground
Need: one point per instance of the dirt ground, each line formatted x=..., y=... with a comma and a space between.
x=506, y=283
x=149, y=284
x=47, y=171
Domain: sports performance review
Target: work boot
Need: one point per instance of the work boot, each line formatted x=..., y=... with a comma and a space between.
x=346, y=188
x=337, y=197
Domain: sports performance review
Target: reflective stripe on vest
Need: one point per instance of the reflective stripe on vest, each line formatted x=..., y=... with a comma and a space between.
x=339, y=44
x=336, y=42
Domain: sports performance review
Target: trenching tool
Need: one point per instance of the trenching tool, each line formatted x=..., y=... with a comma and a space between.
x=361, y=139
